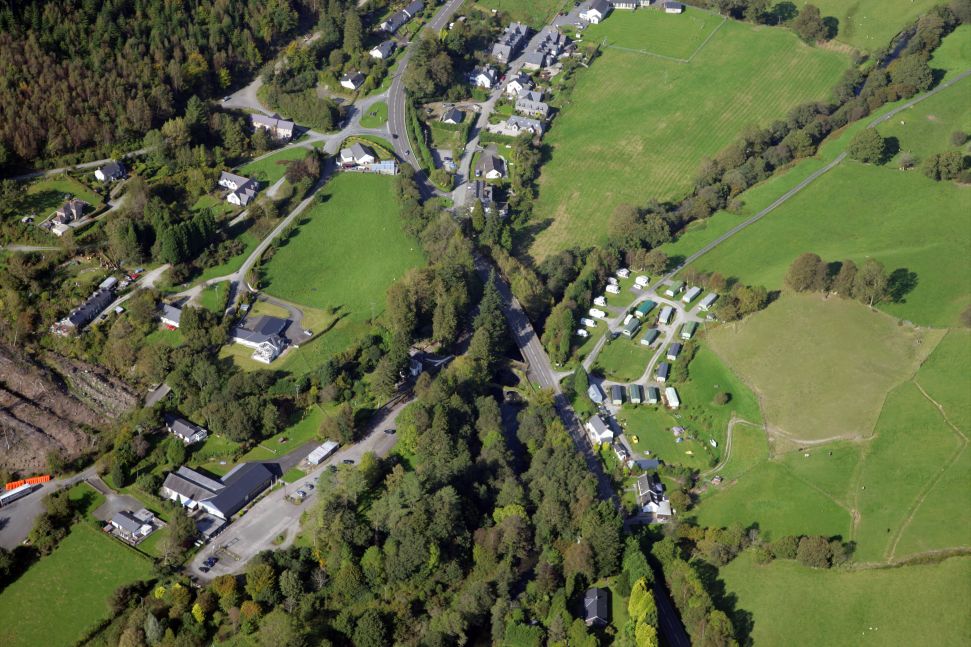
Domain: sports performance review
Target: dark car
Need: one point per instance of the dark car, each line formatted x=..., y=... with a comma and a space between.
x=390, y=431
x=348, y=461
x=309, y=486
x=333, y=468
x=203, y=569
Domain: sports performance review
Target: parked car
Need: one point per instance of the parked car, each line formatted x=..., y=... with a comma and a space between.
x=333, y=468
x=390, y=431
x=203, y=569
x=348, y=461
x=309, y=486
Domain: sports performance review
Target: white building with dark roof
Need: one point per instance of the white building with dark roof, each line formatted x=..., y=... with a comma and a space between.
x=383, y=51
x=111, y=171
x=278, y=128
x=222, y=497
x=184, y=430
x=242, y=190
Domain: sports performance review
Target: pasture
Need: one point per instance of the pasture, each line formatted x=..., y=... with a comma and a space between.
x=790, y=604
x=821, y=367
x=926, y=128
x=954, y=54
x=73, y=583
x=870, y=25
x=903, y=219
x=657, y=33
x=535, y=13
x=663, y=118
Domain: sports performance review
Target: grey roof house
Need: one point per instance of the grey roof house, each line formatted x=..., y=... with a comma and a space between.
x=596, y=607
x=453, y=116
x=510, y=42
x=383, y=50
x=111, y=171
x=242, y=190
x=184, y=430
x=490, y=166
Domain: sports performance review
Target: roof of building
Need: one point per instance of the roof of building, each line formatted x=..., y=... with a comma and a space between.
x=631, y=326
x=414, y=7
x=600, y=5
x=271, y=122
x=112, y=169
x=672, y=394
x=646, y=306
x=598, y=425
x=663, y=370
x=182, y=427
x=384, y=49
x=616, y=392
x=709, y=299
x=489, y=162
x=524, y=122
x=359, y=151
x=127, y=522
x=87, y=311
x=354, y=77
x=596, y=606
x=453, y=114
x=240, y=484
x=674, y=350
x=171, y=313
x=191, y=484
x=653, y=392
x=636, y=391
x=595, y=393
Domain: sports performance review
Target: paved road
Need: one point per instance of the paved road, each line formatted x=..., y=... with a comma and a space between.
x=77, y=167
x=246, y=98
x=156, y=394
x=273, y=515
x=18, y=518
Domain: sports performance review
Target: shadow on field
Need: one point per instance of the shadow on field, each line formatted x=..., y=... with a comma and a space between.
x=900, y=283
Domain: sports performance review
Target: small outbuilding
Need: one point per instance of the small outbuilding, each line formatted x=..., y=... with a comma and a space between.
x=671, y=395
x=595, y=393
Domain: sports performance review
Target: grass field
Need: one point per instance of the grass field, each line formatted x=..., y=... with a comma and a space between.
x=623, y=359
x=663, y=118
x=65, y=593
x=749, y=449
x=535, y=13
x=793, y=605
x=346, y=252
x=804, y=358
x=855, y=211
x=214, y=296
x=870, y=24
x=656, y=32
x=272, y=167
x=926, y=128
x=954, y=54
x=652, y=427
x=376, y=116
x=44, y=196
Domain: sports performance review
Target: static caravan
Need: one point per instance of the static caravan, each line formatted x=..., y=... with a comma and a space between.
x=589, y=323
x=708, y=301
x=623, y=273
x=644, y=309
x=671, y=395
x=663, y=371
x=582, y=332
x=674, y=288
x=636, y=393
x=649, y=337
x=688, y=330
x=597, y=314
x=600, y=301
x=632, y=326
x=613, y=288
x=691, y=295
x=666, y=313
x=616, y=395
x=642, y=280
x=673, y=351
x=653, y=395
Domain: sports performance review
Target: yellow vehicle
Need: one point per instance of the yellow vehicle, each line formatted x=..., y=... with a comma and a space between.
x=637, y=441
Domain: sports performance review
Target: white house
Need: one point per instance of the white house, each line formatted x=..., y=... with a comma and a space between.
x=110, y=171
x=242, y=190
x=674, y=289
x=518, y=84
x=453, y=116
x=491, y=167
x=516, y=125
x=133, y=527
x=357, y=154
x=598, y=430
x=485, y=77
x=595, y=11
x=383, y=51
x=623, y=273
x=530, y=103
x=672, y=7
x=279, y=128
x=185, y=431
x=352, y=81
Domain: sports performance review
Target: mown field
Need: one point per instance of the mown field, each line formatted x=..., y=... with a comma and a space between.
x=954, y=54
x=66, y=593
x=789, y=604
x=656, y=32
x=804, y=358
x=535, y=13
x=870, y=24
x=271, y=168
x=637, y=126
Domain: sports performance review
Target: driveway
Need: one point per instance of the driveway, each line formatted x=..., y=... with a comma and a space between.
x=18, y=518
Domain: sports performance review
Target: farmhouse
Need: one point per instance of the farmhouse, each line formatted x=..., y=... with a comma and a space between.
x=70, y=211
x=663, y=371
x=670, y=6
x=510, y=42
x=691, y=295
x=665, y=317
x=596, y=607
x=594, y=11
x=653, y=395
x=708, y=301
x=649, y=488
x=491, y=167
x=357, y=154
x=688, y=330
x=484, y=77
x=453, y=116
x=279, y=128
x=531, y=104
x=631, y=327
x=595, y=393
x=518, y=84
x=132, y=527
x=644, y=308
x=671, y=395
x=636, y=393
x=320, y=454
x=184, y=430
x=170, y=316
x=383, y=51
x=649, y=337
x=221, y=498
x=352, y=81
x=515, y=125
x=397, y=20
x=673, y=351
x=616, y=395
x=242, y=190
x=111, y=171
x=265, y=336
x=674, y=289
x=659, y=512
x=598, y=430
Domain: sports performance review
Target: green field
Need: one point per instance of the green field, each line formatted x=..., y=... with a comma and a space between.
x=804, y=358
x=870, y=24
x=347, y=250
x=273, y=166
x=535, y=13
x=376, y=116
x=954, y=54
x=926, y=128
x=749, y=449
x=213, y=297
x=65, y=593
x=855, y=211
x=623, y=359
x=794, y=605
x=656, y=32
x=652, y=427
x=44, y=196
x=662, y=119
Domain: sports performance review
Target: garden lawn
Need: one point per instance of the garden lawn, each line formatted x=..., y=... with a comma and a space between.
x=652, y=427
x=216, y=204
x=790, y=604
x=656, y=32
x=870, y=25
x=346, y=252
x=821, y=367
x=233, y=264
x=624, y=359
x=44, y=196
x=290, y=438
x=270, y=168
x=903, y=219
x=376, y=116
x=66, y=592
x=535, y=13
x=213, y=297
x=642, y=149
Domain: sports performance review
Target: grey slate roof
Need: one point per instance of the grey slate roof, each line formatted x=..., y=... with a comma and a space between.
x=113, y=169
x=181, y=427
x=453, y=115
x=385, y=49
x=413, y=8
x=171, y=313
x=596, y=607
x=489, y=162
x=241, y=486
x=599, y=426
x=87, y=311
x=600, y=5
x=127, y=522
